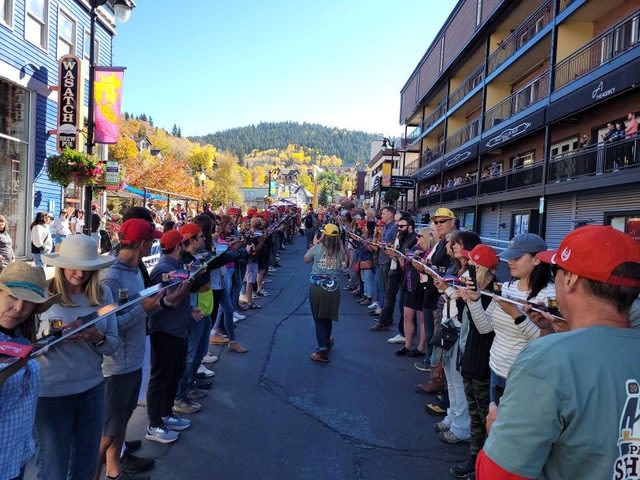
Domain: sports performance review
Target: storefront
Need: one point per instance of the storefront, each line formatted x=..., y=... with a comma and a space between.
x=14, y=162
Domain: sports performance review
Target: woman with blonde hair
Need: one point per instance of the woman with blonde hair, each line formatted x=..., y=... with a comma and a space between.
x=70, y=410
x=324, y=293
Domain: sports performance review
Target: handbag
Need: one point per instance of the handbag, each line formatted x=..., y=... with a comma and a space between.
x=446, y=336
x=366, y=264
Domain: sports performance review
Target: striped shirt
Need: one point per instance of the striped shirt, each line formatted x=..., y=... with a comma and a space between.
x=510, y=338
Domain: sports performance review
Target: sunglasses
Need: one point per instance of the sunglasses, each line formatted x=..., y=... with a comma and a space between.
x=440, y=222
x=403, y=226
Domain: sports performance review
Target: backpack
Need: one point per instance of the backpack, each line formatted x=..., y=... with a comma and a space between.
x=308, y=221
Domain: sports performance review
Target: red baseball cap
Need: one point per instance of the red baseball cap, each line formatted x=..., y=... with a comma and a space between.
x=171, y=239
x=135, y=230
x=483, y=255
x=380, y=223
x=233, y=211
x=190, y=230
x=594, y=252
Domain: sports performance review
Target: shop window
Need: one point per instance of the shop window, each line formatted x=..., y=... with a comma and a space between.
x=6, y=12
x=519, y=224
x=66, y=35
x=467, y=221
x=627, y=222
x=36, y=22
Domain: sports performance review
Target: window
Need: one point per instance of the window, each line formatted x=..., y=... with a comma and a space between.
x=36, y=22
x=86, y=47
x=467, y=221
x=66, y=35
x=479, y=13
x=627, y=222
x=519, y=224
x=564, y=147
x=6, y=12
x=522, y=160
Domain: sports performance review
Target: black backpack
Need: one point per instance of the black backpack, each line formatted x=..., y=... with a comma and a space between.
x=308, y=221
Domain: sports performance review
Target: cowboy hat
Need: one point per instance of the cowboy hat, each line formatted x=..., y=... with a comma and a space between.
x=78, y=252
x=27, y=283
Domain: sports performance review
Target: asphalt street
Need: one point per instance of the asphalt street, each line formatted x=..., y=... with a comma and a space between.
x=275, y=414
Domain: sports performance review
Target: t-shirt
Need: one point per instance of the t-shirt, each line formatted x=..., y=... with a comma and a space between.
x=322, y=263
x=571, y=408
x=510, y=338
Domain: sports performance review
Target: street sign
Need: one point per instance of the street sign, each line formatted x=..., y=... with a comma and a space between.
x=402, y=183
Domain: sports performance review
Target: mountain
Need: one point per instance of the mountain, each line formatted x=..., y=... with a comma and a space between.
x=350, y=145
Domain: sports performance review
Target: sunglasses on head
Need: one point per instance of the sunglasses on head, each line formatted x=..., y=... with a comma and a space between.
x=440, y=222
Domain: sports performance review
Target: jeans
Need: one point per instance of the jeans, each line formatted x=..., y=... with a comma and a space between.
x=379, y=284
x=400, y=309
x=324, y=326
x=37, y=260
x=197, y=346
x=428, y=327
x=68, y=431
x=225, y=313
x=168, y=359
x=496, y=381
x=457, y=418
x=368, y=279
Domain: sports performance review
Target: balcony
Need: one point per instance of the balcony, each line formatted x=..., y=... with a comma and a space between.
x=429, y=200
x=564, y=4
x=472, y=81
x=466, y=133
x=413, y=135
x=513, y=179
x=618, y=39
x=595, y=160
x=461, y=192
x=431, y=154
x=526, y=96
x=412, y=167
x=518, y=39
x=438, y=112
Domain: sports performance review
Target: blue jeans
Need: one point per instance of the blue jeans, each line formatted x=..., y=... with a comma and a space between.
x=496, y=381
x=68, y=431
x=428, y=327
x=379, y=283
x=225, y=313
x=37, y=260
x=197, y=346
x=368, y=278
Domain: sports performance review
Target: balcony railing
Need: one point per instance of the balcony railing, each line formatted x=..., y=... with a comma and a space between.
x=435, y=115
x=412, y=167
x=466, y=133
x=512, y=179
x=525, y=32
x=595, y=160
x=429, y=200
x=472, y=81
x=618, y=39
x=413, y=135
x=432, y=154
x=461, y=192
x=528, y=95
x=564, y=4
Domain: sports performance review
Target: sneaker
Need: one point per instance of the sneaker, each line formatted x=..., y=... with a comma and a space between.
x=267, y=280
x=466, y=469
x=397, y=339
x=203, y=384
x=263, y=293
x=421, y=367
x=161, y=435
x=272, y=269
x=320, y=356
x=373, y=305
x=218, y=340
x=133, y=464
x=238, y=316
x=255, y=295
x=441, y=427
x=176, y=423
x=449, y=437
x=204, y=371
x=186, y=406
x=195, y=393
x=208, y=358
x=435, y=409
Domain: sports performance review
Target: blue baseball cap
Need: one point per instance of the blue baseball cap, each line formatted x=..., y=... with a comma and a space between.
x=525, y=243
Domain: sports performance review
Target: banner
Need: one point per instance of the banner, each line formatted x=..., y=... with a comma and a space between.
x=385, y=178
x=68, y=102
x=107, y=96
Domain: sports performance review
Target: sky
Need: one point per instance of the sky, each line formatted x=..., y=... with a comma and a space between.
x=209, y=65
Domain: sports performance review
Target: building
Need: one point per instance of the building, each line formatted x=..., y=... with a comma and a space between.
x=507, y=109
x=33, y=36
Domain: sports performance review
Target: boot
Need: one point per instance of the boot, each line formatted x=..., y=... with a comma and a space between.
x=236, y=347
x=466, y=469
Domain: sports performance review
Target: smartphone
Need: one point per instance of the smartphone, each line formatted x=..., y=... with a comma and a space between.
x=472, y=277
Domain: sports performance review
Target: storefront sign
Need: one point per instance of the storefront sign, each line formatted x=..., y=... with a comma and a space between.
x=513, y=131
x=402, y=183
x=112, y=175
x=461, y=156
x=376, y=183
x=429, y=171
x=68, y=102
x=107, y=87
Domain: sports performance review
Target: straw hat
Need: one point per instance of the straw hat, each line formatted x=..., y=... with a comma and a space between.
x=79, y=252
x=27, y=283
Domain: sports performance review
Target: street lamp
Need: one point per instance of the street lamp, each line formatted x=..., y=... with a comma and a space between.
x=386, y=143
x=122, y=10
x=314, y=175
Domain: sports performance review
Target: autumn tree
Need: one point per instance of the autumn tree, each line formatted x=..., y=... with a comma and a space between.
x=202, y=158
x=223, y=185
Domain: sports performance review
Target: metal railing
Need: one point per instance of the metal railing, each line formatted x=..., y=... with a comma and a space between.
x=466, y=133
x=564, y=4
x=432, y=154
x=438, y=112
x=525, y=32
x=618, y=39
x=513, y=179
x=461, y=192
x=531, y=93
x=412, y=167
x=413, y=135
x=595, y=160
x=472, y=81
x=429, y=200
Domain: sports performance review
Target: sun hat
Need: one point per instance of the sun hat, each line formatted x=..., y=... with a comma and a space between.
x=444, y=213
x=594, y=252
x=171, y=239
x=330, y=230
x=27, y=283
x=483, y=255
x=136, y=230
x=524, y=243
x=190, y=230
x=78, y=252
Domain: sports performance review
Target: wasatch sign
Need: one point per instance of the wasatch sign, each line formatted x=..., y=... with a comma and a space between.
x=68, y=102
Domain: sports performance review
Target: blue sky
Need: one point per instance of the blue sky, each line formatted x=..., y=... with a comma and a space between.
x=209, y=65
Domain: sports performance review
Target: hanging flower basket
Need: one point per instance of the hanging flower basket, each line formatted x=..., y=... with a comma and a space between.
x=73, y=166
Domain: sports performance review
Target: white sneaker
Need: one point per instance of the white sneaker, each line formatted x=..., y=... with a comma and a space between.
x=208, y=358
x=373, y=305
x=397, y=339
x=255, y=295
x=209, y=373
x=238, y=316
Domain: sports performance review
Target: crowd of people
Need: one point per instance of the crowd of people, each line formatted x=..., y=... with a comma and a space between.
x=530, y=402
x=71, y=406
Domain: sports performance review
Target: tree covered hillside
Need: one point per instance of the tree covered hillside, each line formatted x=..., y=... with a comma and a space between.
x=349, y=145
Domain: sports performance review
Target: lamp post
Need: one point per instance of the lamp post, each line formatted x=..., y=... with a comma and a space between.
x=314, y=175
x=122, y=10
x=385, y=143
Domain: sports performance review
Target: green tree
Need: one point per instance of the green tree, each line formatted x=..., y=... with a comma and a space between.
x=223, y=187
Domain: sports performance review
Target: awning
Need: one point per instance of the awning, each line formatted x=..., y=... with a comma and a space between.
x=139, y=192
